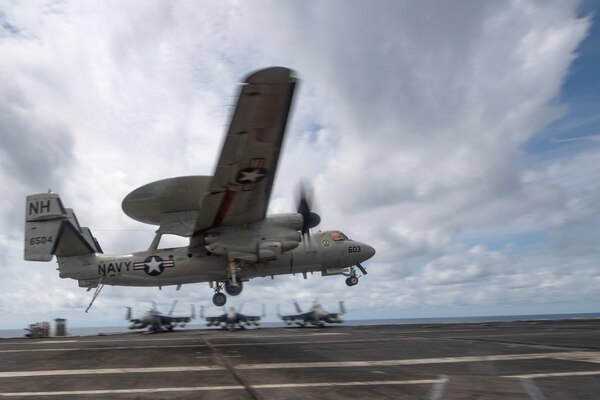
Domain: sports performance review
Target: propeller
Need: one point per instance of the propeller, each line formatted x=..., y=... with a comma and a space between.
x=309, y=218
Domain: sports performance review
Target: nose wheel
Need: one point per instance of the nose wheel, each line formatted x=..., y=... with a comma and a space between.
x=352, y=280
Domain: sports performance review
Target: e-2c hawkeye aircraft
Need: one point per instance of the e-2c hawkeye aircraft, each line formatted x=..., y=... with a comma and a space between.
x=231, y=238
x=157, y=321
x=316, y=316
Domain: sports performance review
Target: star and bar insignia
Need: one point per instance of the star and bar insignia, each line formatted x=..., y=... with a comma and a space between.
x=153, y=265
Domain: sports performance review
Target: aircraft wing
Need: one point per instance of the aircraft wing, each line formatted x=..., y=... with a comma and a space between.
x=296, y=317
x=215, y=321
x=167, y=319
x=240, y=188
x=333, y=318
x=249, y=318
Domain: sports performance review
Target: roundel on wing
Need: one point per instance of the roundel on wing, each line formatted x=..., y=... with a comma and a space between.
x=251, y=175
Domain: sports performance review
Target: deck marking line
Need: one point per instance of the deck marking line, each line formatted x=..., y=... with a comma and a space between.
x=101, y=348
x=304, y=342
x=553, y=374
x=416, y=361
x=533, y=391
x=122, y=391
x=340, y=364
x=215, y=388
x=333, y=384
x=193, y=368
x=438, y=389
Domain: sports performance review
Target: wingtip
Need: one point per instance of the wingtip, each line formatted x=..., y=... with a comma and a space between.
x=271, y=75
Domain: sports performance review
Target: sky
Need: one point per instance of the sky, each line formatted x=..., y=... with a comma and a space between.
x=460, y=139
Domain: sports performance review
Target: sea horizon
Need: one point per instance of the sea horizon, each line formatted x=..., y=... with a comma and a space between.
x=106, y=330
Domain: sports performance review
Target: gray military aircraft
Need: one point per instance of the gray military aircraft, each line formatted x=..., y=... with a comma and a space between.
x=232, y=318
x=231, y=238
x=157, y=321
x=315, y=316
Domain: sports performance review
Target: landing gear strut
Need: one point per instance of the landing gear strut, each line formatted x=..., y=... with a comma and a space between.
x=233, y=286
x=352, y=279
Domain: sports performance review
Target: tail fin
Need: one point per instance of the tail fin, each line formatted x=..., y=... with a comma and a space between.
x=342, y=307
x=51, y=229
x=297, y=307
x=172, y=307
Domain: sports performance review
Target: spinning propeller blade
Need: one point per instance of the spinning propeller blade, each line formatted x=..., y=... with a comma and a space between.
x=309, y=218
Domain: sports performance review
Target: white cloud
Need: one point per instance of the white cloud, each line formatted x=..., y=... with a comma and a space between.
x=410, y=121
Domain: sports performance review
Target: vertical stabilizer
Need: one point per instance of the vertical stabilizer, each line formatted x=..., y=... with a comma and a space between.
x=51, y=229
x=297, y=307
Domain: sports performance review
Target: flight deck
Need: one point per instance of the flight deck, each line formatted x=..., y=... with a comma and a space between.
x=500, y=360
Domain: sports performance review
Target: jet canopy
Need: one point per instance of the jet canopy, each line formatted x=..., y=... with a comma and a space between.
x=338, y=236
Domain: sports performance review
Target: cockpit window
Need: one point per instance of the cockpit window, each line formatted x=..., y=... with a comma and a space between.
x=338, y=236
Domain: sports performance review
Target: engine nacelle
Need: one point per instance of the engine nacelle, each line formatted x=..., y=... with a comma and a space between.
x=259, y=242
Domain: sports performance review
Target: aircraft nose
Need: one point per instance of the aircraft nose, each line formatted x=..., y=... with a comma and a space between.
x=368, y=251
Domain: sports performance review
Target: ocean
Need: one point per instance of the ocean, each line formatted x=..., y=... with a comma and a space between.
x=108, y=330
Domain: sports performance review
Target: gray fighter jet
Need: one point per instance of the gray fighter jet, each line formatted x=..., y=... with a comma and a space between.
x=316, y=316
x=156, y=321
x=231, y=238
x=232, y=318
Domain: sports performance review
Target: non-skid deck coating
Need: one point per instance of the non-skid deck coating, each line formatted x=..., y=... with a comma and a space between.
x=516, y=360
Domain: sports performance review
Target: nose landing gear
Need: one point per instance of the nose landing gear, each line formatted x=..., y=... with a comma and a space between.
x=352, y=279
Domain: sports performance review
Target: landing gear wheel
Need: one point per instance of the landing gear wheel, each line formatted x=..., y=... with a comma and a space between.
x=219, y=299
x=233, y=288
x=351, y=281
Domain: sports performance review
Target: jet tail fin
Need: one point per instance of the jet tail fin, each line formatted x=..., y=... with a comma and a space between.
x=172, y=307
x=128, y=315
x=51, y=229
x=342, y=307
x=297, y=307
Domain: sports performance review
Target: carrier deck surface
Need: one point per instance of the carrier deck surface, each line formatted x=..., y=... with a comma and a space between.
x=510, y=360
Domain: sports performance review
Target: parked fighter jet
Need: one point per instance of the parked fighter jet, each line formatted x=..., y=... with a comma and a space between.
x=231, y=239
x=232, y=318
x=158, y=322
x=315, y=316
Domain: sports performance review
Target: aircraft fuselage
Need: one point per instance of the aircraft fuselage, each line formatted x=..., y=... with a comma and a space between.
x=175, y=266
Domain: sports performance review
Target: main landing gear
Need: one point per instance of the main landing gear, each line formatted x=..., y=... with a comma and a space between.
x=233, y=286
x=219, y=299
x=352, y=279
